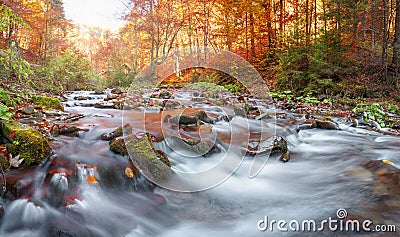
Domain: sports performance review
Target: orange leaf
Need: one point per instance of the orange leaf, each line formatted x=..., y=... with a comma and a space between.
x=91, y=180
x=129, y=172
x=13, y=134
x=388, y=162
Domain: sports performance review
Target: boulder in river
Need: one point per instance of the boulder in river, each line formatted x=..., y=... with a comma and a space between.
x=191, y=147
x=202, y=116
x=241, y=112
x=141, y=150
x=25, y=141
x=117, y=145
x=71, y=131
x=181, y=119
x=278, y=145
x=324, y=124
x=127, y=129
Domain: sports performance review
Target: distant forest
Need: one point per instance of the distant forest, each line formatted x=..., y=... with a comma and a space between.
x=332, y=47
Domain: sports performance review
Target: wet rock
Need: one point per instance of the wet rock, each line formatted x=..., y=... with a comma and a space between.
x=324, y=124
x=117, y=145
x=1, y=211
x=111, y=97
x=116, y=91
x=165, y=95
x=202, y=116
x=25, y=141
x=104, y=105
x=141, y=150
x=72, y=131
x=170, y=105
x=278, y=146
x=17, y=182
x=263, y=116
x=81, y=97
x=361, y=173
x=182, y=120
x=98, y=92
x=241, y=112
x=119, y=104
x=386, y=177
x=396, y=126
x=198, y=99
x=192, y=148
x=68, y=227
x=127, y=129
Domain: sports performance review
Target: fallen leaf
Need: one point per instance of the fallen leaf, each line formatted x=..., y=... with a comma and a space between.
x=91, y=180
x=13, y=134
x=129, y=172
x=16, y=161
x=388, y=162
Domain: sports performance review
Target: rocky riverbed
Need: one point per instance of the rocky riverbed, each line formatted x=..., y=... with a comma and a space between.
x=90, y=169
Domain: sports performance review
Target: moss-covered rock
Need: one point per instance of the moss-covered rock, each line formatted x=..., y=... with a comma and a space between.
x=48, y=102
x=152, y=163
x=117, y=145
x=25, y=141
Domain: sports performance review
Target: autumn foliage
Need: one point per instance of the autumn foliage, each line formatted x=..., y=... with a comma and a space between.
x=308, y=46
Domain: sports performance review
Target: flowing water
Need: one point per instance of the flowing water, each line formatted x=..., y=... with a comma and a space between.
x=88, y=194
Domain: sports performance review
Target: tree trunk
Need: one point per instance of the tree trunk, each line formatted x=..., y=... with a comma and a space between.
x=252, y=36
x=385, y=42
x=396, y=41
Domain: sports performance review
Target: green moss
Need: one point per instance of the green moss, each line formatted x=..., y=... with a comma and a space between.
x=26, y=142
x=6, y=99
x=117, y=146
x=143, y=152
x=48, y=102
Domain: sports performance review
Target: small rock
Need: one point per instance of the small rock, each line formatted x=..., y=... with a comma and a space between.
x=28, y=110
x=324, y=124
x=127, y=129
x=69, y=131
x=164, y=95
x=183, y=120
x=104, y=105
x=116, y=91
x=99, y=92
x=240, y=112
x=202, y=116
x=81, y=97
